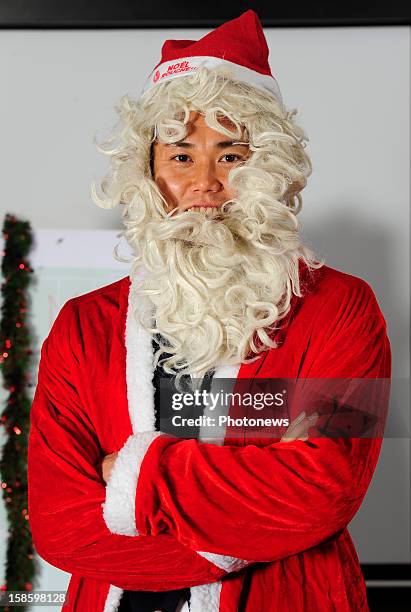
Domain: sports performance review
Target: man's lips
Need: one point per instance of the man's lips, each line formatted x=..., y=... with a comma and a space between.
x=204, y=205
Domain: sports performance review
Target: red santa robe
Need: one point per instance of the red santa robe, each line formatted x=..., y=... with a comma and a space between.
x=247, y=527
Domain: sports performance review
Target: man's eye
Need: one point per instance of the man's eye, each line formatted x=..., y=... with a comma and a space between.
x=181, y=155
x=233, y=155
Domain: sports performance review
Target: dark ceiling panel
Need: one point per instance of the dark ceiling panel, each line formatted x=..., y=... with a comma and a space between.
x=160, y=14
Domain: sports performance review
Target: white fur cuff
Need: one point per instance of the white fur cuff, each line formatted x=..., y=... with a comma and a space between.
x=228, y=564
x=119, y=507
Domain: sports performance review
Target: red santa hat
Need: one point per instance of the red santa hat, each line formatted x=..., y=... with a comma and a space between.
x=238, y=44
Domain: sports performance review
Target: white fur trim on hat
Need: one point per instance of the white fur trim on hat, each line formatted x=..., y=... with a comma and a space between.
x=186, y=66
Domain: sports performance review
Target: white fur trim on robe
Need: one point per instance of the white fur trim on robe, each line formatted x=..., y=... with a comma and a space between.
x=113, y=599
x=119, y=507
x=120, y=504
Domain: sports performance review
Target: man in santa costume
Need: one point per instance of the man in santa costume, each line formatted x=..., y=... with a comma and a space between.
x=208, y=166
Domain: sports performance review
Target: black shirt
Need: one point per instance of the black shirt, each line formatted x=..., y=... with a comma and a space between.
x=167, y=601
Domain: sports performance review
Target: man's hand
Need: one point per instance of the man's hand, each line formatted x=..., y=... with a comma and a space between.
x=107, y=466
x=298, y=429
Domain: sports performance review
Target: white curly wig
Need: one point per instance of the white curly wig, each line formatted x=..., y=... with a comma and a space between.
x=218, y=286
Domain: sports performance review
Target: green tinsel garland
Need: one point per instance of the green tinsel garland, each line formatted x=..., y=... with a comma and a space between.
x=15, y=357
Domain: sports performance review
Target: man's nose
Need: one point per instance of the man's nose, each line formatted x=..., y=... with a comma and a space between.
x=205, y=177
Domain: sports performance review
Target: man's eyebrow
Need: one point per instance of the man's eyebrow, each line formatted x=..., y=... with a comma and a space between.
x=220, y=145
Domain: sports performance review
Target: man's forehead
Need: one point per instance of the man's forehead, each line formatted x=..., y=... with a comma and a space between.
x=196, y=122
x=221, y=140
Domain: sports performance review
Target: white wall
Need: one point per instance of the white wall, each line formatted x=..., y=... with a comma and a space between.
x=351, y=87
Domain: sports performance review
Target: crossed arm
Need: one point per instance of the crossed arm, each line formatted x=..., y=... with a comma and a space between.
x=297, y=430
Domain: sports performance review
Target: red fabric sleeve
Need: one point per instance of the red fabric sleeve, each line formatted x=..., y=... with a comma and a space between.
x=66, y=490
x=266, y=503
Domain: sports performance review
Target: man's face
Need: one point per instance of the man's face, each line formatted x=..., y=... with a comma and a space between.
x=194, y=172
x=241, y=264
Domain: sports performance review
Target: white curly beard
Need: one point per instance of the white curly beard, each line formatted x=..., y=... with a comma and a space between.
x=215, y=284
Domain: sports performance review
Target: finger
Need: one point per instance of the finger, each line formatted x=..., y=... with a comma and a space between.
x=303, y=438
x=301, y=430
x=294, y=425
x=297, y=420
x=292, y=439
